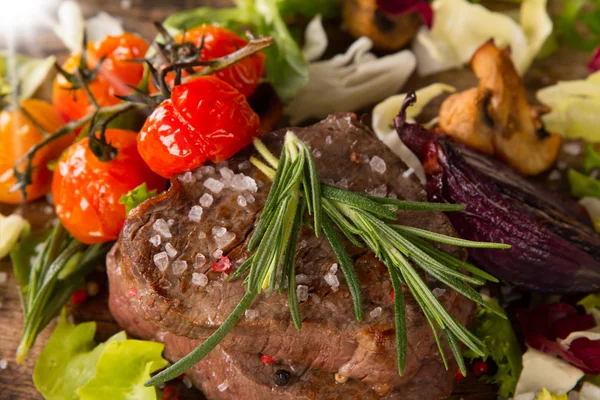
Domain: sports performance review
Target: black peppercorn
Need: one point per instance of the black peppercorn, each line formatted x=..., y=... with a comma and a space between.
x=282, y=377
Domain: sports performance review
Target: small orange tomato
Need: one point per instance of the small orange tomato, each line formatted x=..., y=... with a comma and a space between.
x=87, y=191
x=116, y=72
x=17, y=135
x=219, y=42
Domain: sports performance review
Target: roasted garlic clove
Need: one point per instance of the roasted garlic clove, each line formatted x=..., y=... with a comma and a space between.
x=496, y=119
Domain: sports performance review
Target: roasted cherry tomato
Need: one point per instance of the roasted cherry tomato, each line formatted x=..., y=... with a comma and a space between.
x=205, y=119
x=219, y=42
x=87, y=191
x=17, y=135
x=116, y=72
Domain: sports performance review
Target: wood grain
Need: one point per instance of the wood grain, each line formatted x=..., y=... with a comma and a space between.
x=15, y=380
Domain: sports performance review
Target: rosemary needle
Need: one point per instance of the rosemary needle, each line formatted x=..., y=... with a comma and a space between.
x=366, y=221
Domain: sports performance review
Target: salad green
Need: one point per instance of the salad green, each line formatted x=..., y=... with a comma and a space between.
x=501, y=345
x=136, y=196
x=72, y=366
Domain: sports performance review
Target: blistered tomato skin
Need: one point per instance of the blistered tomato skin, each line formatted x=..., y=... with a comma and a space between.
x=116, y=72
x=219, y=42
x=205, y=119
x=86, y=191
x=17, y=135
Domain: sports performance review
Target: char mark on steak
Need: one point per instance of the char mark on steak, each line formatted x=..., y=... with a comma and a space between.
x=169, y=244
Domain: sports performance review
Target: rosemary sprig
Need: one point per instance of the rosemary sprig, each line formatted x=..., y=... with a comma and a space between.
x=367, y=222
x=53, y=278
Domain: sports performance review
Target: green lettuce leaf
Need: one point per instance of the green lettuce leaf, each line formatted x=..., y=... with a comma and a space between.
x=122, y=370
x=590, y=302
x=501, y=345
x=582, y=185
x=578, y=24
x=592, y=159
x=25, y=251
x=136, y=196
x=30, y=73
x=11, y=228
x=286, y=68
x=69, y=359
x=574, y=108
x=327, y=8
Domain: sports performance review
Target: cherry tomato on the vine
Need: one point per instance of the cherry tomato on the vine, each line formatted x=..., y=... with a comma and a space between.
x=218, y=42
x=116, y=72
x=17, y=135
x=205, y=119
x=86, y=190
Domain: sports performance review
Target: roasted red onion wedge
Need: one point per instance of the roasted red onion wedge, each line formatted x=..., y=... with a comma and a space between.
x=554, y=248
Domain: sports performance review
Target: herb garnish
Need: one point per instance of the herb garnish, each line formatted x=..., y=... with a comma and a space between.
x=367, y=222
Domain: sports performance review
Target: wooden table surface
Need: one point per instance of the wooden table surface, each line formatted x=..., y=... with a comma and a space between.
x=15, y=380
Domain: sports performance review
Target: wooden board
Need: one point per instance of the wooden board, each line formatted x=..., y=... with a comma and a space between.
x=15, y=380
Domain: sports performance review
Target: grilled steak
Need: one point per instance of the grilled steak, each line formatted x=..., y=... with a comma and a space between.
x=157, y=290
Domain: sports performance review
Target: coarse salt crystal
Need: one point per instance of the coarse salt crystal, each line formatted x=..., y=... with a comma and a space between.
x=161, y=260
x=200, y=260
x=302, y=292
x=207, y=170
x=249, y=198
x=171, y=251
x=226, y=173
x=572, y=149
x=179, y=267
x=202, y=235
x=217, y=253
x=555, y=175
x=251, y=314
x=223, y=386
x=332, y=280
x=250, y=184
x=162, y=228
x=186, y=177
x=302, y=244
x=195, y=213
x=199, y=279
x=328, y=304
x=3, y=364
x=244, y=165
x=408, y=173
x=171, y=222
x=206, y=200
x=393, y=195
x=342, y=183
x=315, y=298
x=437, y=292
x=333, y=269
x=241, y=200
x=214, y=185
x=302, y=278
x=316, y=153
x=376, y=312
x=155, y=240
x=224, y=240
x=219, y=231
x=328, y=140
x=377, y=164
x=379, y=191
x=3, y=277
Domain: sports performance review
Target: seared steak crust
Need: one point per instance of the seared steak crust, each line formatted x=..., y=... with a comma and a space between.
x=331, y=340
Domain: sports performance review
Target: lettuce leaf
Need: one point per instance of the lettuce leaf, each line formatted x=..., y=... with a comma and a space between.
x=501, y=345
x=460, y=27
x=583, y=185
x=590, y=302
x=122, y=370
x=11, y=228
x=578, y=24
x=574, y=108
x=592, y=159
x=73, y=367
x=69, y=359
x=30, y=73
x=136, y=196
x=287, y=70
x=592, y=206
